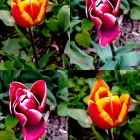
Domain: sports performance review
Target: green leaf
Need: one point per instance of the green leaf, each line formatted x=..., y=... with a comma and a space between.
x=73, y=23
x=83, y=39
x=81, y=116
x=109, y=65
x=64, y=17
x=13, y=45
x=23, y=37
x=104, y=53
x=43, y=61
x=67, y=48
x=6, y=76
x=91, y=82
x=30, y=53
x=51, y=99
x=46, y=32
x=2, y=126
x=134, y=125
x=87, y=24
x=2, y=67
x=128, y=60
x=126, y=49
x=62, y=109
x=6, y=18
x=24, y=56
x=32, y=65
x=128, y=134
x=125, y=5
x=9, y=65
x=115, y=90
x=52, y=25
x=8, y=134
x=11, y=121
x=80, y=58
x=66, y=65
x=51, y=67
x=137, y=2
x=135, y=13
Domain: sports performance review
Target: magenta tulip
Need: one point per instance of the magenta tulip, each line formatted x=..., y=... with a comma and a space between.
x=28, y=106
x=103, y=14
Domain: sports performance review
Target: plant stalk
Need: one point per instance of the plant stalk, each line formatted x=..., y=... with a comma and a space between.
x=33, y=46
x=112, y=50
x=110, y=135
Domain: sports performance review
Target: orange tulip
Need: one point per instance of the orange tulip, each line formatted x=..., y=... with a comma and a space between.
x=28, y=13
x=105, y=110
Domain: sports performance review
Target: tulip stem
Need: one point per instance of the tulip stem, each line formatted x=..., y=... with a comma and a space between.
x=112, y=50
x=33, y=46
x=110, y=135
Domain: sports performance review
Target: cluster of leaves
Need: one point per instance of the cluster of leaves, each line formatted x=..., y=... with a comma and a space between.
x=56, y=95
x=120, y=82
x=15, y=41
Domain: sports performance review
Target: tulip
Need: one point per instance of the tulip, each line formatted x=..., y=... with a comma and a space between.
x=105, y=110
x=28, y=13
x=103, y=14
x=28, y=106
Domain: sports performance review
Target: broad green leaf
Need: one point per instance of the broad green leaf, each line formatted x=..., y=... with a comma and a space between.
x=87, y=24
x=126, y=49
x=137, y=2
x=66, y=65
x=2, y=67
x=52, y=25
x=30, y=53
x=109, y=65
x=2, y=126
x=125, y=5
x=11, y=121
x=6, y=18
x=104, y=53
x=134, y=125
x=6, y=76
x=32, y=65
x=62, y=109
x=128, y=134
x=128, y=60
x=9, y=65
x=64, y=17
x=46, y=32
x=91, y=82
x=114, y=90
x=23, y=37
x=43, y=61
x=7, y=134
x=78, y=29
x=15, y=74
x=51, y=99
x=83, y=39
x=80, y=58
x=51, y=67
x=73, y=23
x=135, y=13
x=81, y=116
x=67, y=48
x=24, y=56
x=11, y=46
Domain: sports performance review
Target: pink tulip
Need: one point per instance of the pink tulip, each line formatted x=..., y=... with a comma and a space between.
x=103, y=14
x=28, y=106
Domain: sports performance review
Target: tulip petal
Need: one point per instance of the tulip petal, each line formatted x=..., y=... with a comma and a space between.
x=16, y=1
x=116, y=107
x=34, y=132
x=106, y=36
x=33, y=117
x=41, y=13
x=125, y=101
x=99, y=116
x=99, y=83
x=116, y=10
x=39, y=89
x=87, y=8
x=12, y=91
x=20, y=16
x=108, y=20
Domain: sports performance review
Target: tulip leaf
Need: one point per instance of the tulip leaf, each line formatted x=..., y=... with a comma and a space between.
x=126, y=49
x=66, y=65
x=6, y=76
x=62, y=109
x=104, y=53
x=43, y=61
x=125, y=5
x=137, y=2
x=7, y=134
x=67, y=48
x=80, y=58
x=64, y=17
x=73, y=23
x=134, y=125
x=128, y=134
x=81, y=116
x=24, y=56
x=83, y=39
x=128, y=60
x=51, y=100
x=87, y=24
x=11, y=121
x=6, y=18
x=135, y=13
x=109, y=65
x=13, y=45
